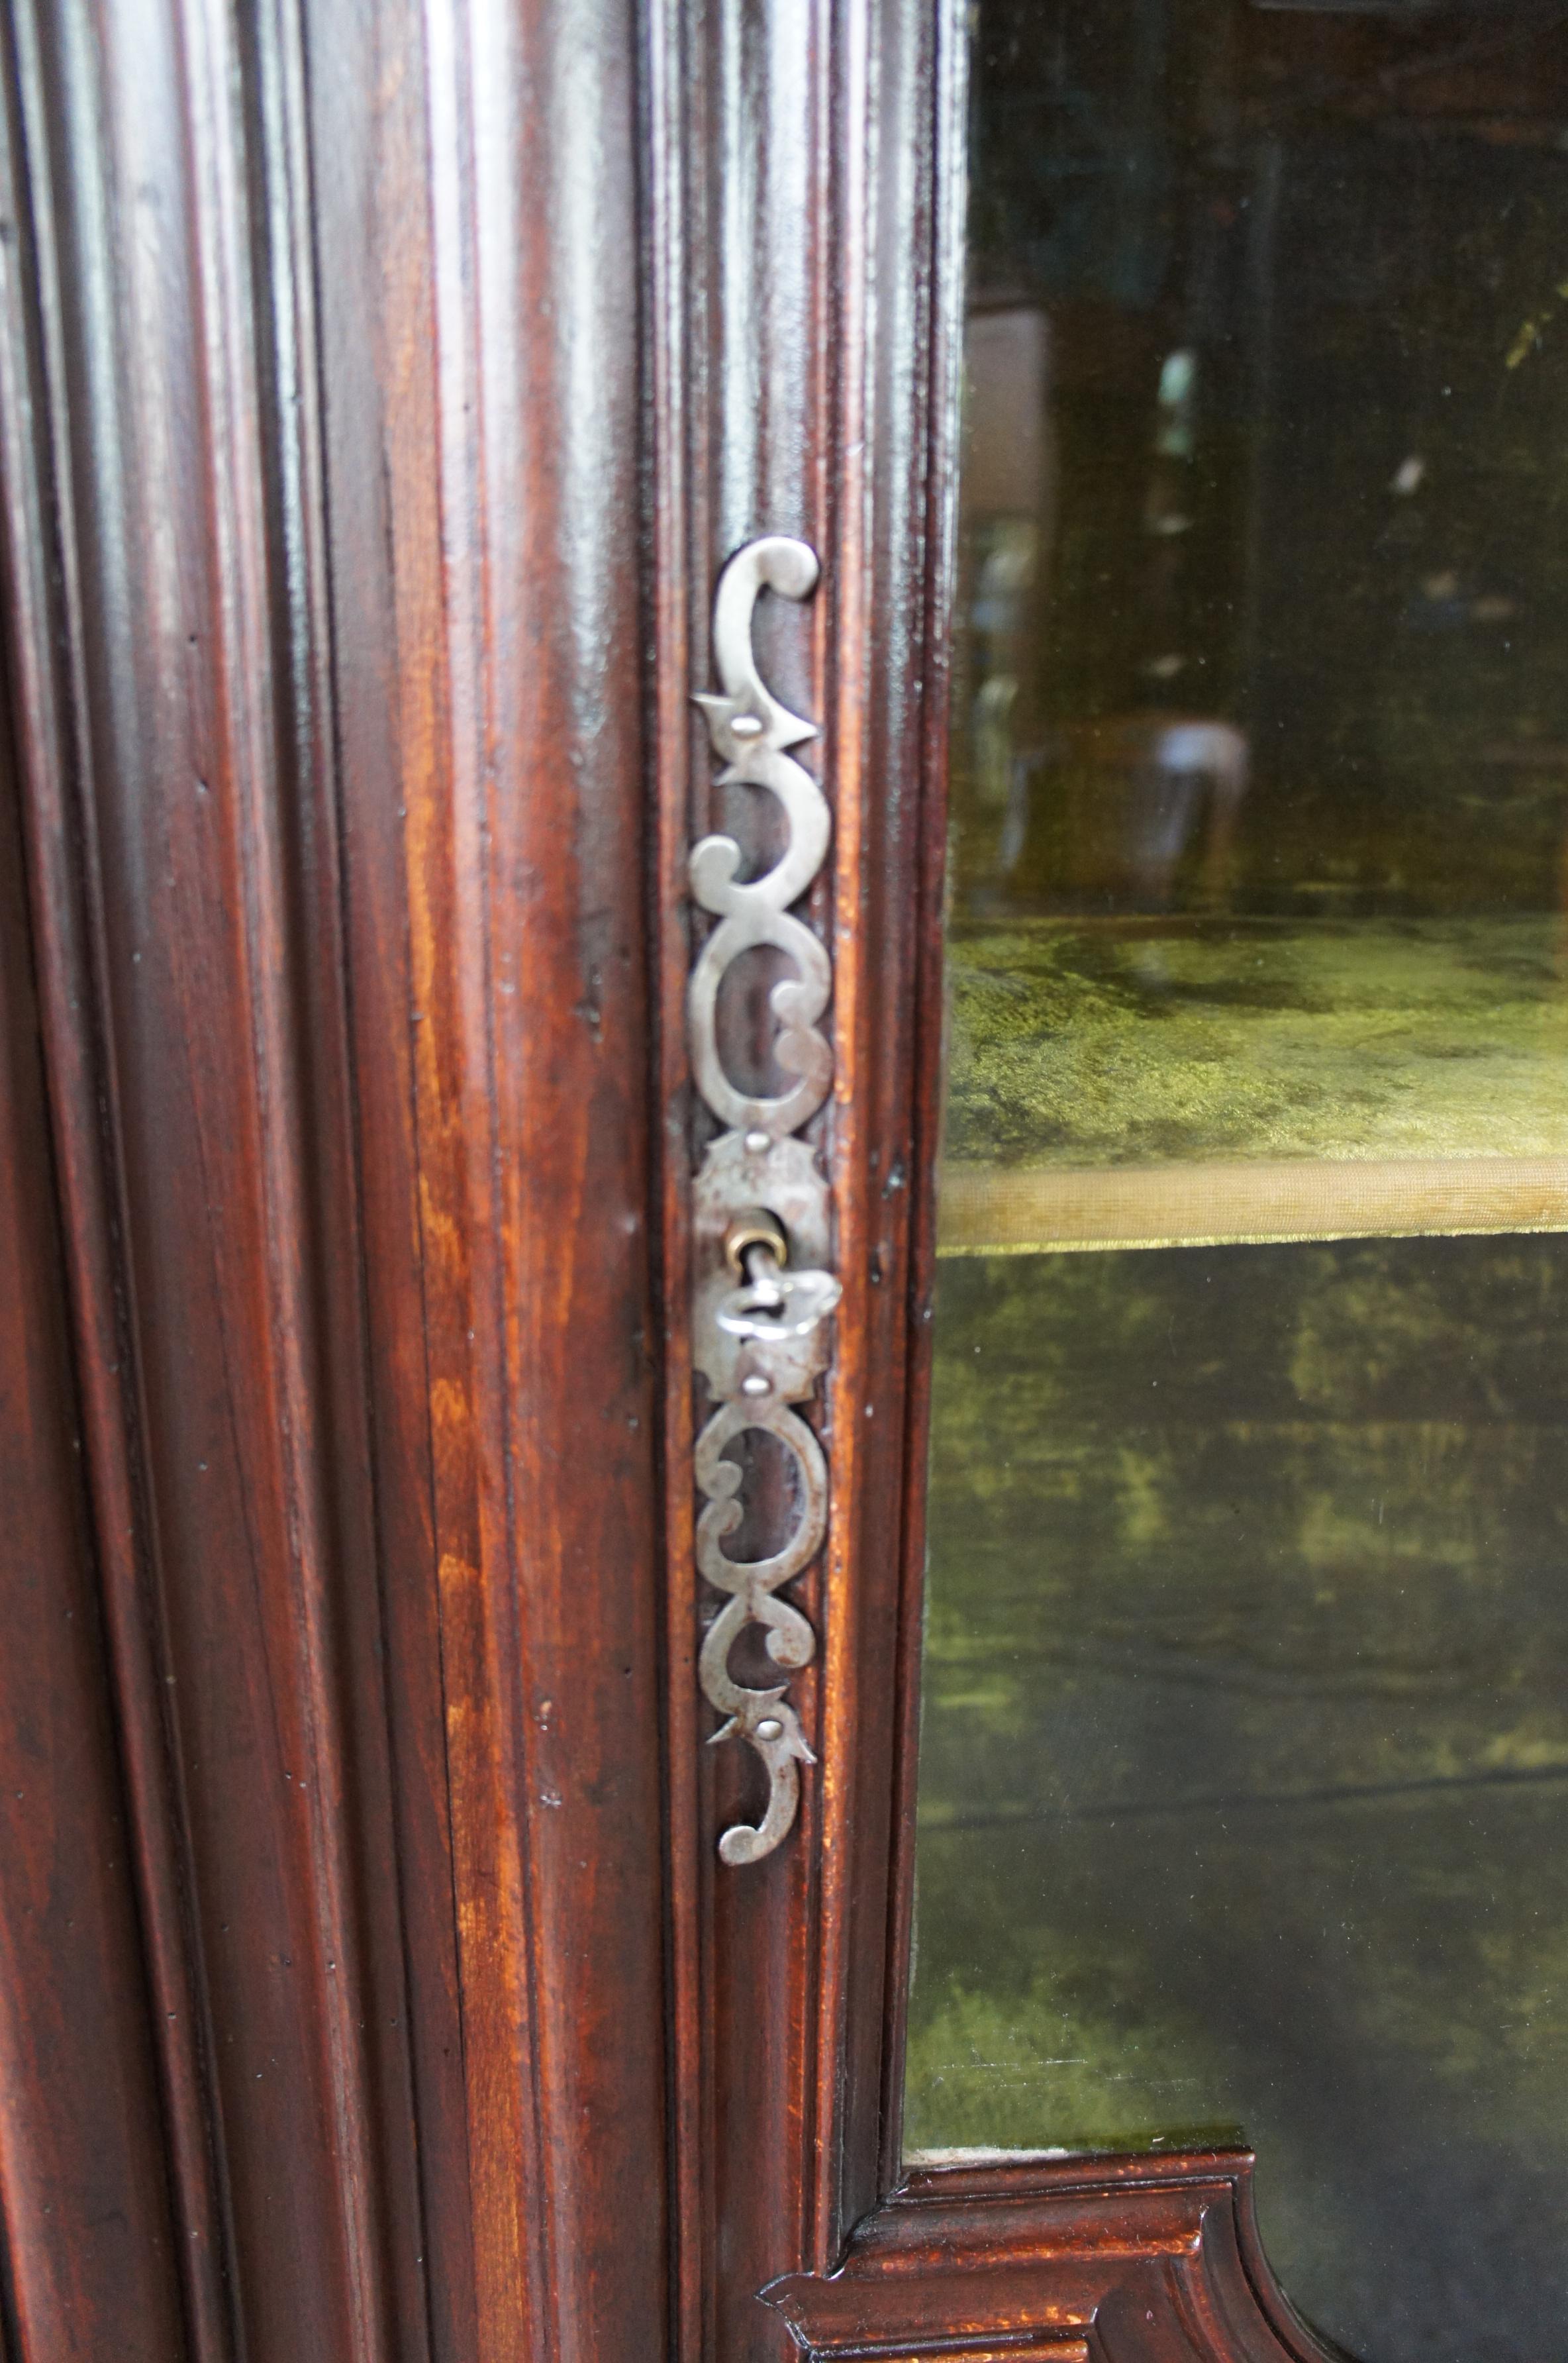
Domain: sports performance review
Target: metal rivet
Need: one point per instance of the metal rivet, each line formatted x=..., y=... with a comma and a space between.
x=758, y=1142
x=745, y=726
x=770, y=1728
x=756, y=1384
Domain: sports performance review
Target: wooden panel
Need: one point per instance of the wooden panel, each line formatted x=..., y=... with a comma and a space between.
x=196, y=1037
x=483, y=386
x=326, y=627
x=801, y=366
x=92, y=2263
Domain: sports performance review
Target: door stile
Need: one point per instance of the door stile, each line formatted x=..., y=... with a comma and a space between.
x=732, y=113
x=801, y=186
x=483, y=466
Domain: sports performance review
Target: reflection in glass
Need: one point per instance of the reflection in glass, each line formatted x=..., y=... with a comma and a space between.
x=1246, y=1725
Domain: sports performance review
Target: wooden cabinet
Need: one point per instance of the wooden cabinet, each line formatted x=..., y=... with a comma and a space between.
x=382, y=388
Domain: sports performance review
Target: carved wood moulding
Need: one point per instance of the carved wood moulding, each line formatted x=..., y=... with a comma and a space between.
x=1077, y=2261
x=336, y=912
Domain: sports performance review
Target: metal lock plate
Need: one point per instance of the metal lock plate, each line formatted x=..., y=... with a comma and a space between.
x=783, y=1176
x=756, y=1368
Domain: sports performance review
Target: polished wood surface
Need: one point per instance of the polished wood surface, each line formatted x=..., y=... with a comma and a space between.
x=91, y=2233
x=1142, y=2260
x=805, y=214
x=482, y=451
x=323, y=495
x=381, y=386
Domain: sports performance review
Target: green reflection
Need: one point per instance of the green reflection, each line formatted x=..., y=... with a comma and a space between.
x=1245, y=1749
x=1147, y=1040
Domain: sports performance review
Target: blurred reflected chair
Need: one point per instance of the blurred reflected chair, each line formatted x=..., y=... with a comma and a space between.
x=1132, y=793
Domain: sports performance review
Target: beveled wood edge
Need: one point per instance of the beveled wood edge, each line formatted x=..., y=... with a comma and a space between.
x=949, y=247
x=1048, y=1209
x=1083, y=2260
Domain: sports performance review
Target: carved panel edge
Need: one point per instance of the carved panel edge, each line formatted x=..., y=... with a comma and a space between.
x=1133, y=2260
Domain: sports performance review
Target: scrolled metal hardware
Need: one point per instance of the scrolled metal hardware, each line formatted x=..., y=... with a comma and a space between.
x=773, y=1305
x=761, y=1346
x=763, y=1717
x=751, y=731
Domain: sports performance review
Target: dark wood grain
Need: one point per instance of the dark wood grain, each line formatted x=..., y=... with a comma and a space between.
x=192, y=792
x=325, y=622
x=43, y=614
x=382, y=384
x=1136, y=2260
x=806, y=186
x=481, y=366
x=92, y=2255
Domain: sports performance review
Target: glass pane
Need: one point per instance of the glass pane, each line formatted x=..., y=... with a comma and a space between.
x=1246, y=1721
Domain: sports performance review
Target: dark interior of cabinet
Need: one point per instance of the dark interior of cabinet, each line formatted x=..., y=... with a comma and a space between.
x=1244, y=1741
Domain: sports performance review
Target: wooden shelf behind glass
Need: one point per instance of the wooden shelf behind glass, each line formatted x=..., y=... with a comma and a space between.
x=1022, y=1210
x=1146, y=1083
